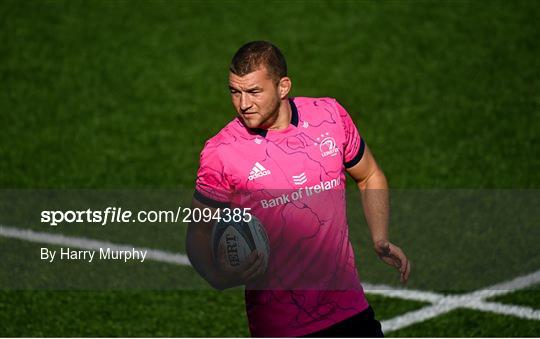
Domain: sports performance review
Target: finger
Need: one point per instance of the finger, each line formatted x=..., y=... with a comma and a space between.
x=396, y=251
x=390, y=250
x=402, y=274
x=403, y=280
x=264, y=264
x=403, y=264
x=390, y=256
x=250, y=261
x=252, y=268
x=395, y=261
x=407, y=271
x=391, y=261
x=398, y=255
x=259, y=273
x=252, y=257
x=255, y=274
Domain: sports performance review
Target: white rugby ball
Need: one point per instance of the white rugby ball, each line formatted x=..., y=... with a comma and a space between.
x=236, y=241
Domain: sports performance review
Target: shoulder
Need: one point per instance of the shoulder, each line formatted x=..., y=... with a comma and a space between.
x=228, y=135
x=314, y=108
x=315, y=103
x=228, y=145
x=318, y=110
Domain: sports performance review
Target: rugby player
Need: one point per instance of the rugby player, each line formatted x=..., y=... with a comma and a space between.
x=286, y=159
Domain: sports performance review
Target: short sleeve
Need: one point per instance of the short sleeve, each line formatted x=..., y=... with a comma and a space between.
x=354, y=144
x=212, y=186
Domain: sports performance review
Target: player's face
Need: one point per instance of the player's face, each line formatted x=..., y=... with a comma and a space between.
x=256, y=98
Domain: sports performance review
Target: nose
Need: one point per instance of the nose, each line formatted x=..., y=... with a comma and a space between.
x=245, y=102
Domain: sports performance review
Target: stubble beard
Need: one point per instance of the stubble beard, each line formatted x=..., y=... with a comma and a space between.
x=265, y=120
x=270, y=118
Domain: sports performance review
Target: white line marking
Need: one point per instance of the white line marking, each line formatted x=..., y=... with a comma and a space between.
x=508, y=286
x=474, y=300
x=389, y=291
x=414, y=317
x=441, y=304
x=512, y=310
x=83, y=243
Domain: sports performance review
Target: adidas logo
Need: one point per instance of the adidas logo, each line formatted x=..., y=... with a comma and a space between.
x=258, y=171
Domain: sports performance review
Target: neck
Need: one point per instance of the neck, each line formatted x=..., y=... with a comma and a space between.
x=283, y=117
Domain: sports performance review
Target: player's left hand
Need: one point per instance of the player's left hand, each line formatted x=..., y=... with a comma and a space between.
x=394, y=256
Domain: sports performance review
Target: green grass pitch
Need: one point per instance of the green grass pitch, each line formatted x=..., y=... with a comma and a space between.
x=529, y=297
x=110, y=94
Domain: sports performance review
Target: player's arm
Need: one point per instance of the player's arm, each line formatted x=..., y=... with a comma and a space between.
x=373, y=186
x=198, y=247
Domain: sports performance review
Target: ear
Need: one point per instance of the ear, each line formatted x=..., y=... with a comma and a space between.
x=284, y=87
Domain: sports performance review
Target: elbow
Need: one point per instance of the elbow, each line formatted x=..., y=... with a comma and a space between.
x=374, y=180
x=217, y=286
x=216, y=283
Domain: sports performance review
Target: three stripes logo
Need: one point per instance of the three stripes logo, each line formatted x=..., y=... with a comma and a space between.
x=299, y=179
x=258, y=171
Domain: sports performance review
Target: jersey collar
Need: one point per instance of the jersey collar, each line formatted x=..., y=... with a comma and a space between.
x=294, y=120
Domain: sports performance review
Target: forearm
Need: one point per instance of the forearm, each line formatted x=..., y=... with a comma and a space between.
x=375, y=202
x=199, y=251
x=200, y=255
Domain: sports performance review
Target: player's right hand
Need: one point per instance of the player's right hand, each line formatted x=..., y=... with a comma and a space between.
x=253, y=268
x=248, y=272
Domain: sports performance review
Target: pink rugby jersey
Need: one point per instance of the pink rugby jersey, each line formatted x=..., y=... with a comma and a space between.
x=294, y=182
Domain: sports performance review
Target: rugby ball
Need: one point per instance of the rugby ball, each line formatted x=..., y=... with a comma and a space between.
x=236, y=240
